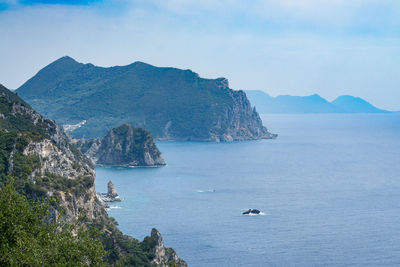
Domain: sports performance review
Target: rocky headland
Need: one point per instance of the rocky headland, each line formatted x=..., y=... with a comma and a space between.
x=122, y=146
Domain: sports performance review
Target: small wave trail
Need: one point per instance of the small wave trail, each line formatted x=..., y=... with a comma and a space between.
x=206, y=191
x=114, y=207
x=252, y=214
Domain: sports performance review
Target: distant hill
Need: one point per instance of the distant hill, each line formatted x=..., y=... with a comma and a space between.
x=265, y=103
x=172, y=104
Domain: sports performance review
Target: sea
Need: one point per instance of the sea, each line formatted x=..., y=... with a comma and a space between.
x=328, y=188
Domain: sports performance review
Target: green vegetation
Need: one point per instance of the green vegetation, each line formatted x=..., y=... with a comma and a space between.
x=28, y=239
x=21, y=121
x=12, y=145
x=135, y=253
x=30, y=235
x=77, y=187
x=170, y=103
x=126, y=144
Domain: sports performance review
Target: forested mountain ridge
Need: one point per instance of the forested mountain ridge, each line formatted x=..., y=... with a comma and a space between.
x=172, y=104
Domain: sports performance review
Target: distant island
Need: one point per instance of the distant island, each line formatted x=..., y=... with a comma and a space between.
x=265, y=103
x=172, y=104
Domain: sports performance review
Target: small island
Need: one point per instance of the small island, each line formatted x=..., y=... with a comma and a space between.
x=125, y=145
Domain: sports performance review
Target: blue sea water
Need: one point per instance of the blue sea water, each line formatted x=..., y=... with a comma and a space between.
x=329, y=186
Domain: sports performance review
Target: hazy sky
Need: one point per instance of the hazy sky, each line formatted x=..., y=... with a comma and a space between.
x=299, y=47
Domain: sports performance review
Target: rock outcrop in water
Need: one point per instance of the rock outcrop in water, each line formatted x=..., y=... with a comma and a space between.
x=111, y=191
x=37, y=153
x=173, y=104
x=111, y=195
x=251, y=211
x=123, y=146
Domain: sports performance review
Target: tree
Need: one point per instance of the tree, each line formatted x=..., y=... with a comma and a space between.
x=28, y=238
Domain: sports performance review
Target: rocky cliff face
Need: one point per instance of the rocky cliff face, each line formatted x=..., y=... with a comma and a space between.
x=111, y=191
x=164, y=256
x=55, y=166
x=56, y=161
x=38, y=154
x=123, y=146
x=239, y=121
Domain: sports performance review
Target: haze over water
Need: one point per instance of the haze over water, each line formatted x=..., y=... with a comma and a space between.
x=329, y=186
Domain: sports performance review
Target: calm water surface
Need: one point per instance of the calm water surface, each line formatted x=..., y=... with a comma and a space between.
x=329, y=187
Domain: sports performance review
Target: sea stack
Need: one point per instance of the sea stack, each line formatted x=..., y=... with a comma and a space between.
x=111, y=191
x=112, y=195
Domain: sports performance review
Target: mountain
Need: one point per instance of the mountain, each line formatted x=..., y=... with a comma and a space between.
x=37, y=154
x=351, y=104
x=265, y=103
x=172, y=104
x=123, y=146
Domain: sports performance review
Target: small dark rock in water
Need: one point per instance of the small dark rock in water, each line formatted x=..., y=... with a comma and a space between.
x=252, y=211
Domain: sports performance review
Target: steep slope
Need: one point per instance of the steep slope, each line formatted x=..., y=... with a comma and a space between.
x=37, y=153
x=172, y=104
x=123, y=146
x=309, y=104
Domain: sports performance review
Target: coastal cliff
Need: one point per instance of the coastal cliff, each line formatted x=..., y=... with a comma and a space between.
x=123, y=146
x=165, y=257
x=171, y=103
x=240, y=121
x=37, y=153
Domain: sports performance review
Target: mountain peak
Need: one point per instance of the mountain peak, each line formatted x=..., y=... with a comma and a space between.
x=66, y=59
x=63, y=63
x=315, y=96
x=348, y=98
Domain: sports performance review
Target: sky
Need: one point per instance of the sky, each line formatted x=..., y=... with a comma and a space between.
x=297, y=47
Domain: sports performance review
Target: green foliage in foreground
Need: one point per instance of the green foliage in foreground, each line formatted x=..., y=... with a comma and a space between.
x=134, y=252
x=28, y=239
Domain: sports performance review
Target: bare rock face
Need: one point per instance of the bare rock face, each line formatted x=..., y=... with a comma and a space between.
x=54, y=162
x=110, y=196
x=111, y=191
x=240, y=121
x=164, y=256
